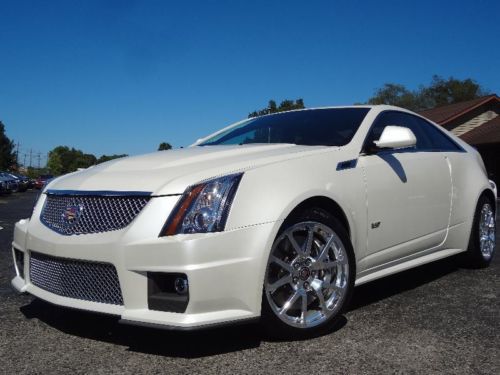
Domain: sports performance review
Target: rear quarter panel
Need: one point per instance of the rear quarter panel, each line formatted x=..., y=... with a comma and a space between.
x=469, y=181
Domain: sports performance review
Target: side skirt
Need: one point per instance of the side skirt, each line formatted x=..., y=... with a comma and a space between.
x=370, y=275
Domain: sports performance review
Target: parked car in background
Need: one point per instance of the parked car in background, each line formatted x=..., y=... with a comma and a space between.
x=3, y=185
x=31, y=183
x=23, y=181
x=42, y=180
x=276, y=217
x=11, y=182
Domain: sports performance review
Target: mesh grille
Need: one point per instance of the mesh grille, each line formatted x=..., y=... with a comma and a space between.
x=89, y=281
x=83, y=214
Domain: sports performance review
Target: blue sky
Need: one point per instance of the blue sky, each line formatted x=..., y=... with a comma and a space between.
x=122, y=76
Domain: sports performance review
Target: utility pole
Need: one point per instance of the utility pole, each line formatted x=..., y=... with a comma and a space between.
x=24, y=160
x=31, y=155
x=38, y=156
x=17, y=154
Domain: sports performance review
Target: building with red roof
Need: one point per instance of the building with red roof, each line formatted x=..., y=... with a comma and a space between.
x=477, y=122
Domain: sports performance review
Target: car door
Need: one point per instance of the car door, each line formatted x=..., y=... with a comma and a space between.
x=408, y=194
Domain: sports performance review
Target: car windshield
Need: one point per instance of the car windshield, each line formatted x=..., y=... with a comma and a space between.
x=318, y=127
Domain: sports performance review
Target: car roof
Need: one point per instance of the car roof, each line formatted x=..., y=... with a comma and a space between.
x=379, y=107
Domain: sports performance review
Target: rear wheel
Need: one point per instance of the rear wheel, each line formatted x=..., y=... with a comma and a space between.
x=309, y=277
x=483, y=236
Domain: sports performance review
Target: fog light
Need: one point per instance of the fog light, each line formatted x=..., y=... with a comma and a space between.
x=181, y=285
x=19, y=259
x=168, y=291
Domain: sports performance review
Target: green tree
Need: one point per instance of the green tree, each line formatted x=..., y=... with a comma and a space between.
x=54, y=161
x=7, y=155
x=63, y=159
x=395, y=94
x=439, y=92
x=31, y=172
x=164, y=146
x=448, y=91
x=105, y=158
x=84, y=160
x=285, y=105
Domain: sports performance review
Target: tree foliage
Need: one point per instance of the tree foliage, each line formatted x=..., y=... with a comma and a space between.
x=439, y=92
x=452, y=90
x=285, y=105
x=394, y=94
x=105, y=158
x=33, y=172
x=7, y=154
x=164, y=146
x=63, y=159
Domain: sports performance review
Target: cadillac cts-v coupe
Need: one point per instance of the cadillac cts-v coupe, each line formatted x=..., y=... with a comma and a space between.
x=277, y=217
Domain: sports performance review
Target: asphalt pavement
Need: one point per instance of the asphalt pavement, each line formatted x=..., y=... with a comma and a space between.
x=438, y=318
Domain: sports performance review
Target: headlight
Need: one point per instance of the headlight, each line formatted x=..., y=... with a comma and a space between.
x=204, y=207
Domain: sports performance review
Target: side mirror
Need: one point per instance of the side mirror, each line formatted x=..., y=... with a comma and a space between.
x=396, y=137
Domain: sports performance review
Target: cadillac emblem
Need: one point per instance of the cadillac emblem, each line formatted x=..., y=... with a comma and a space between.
x=71, y=214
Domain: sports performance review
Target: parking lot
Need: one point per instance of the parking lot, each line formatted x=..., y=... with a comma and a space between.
x=439, y=318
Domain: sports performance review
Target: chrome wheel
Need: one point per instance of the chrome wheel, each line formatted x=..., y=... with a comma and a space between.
x=487, y=235
x=307, y=275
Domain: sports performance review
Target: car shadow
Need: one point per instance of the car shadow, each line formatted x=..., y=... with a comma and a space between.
x=106, y=328
x=395, y=164
x=389, y=286
x=209, y=342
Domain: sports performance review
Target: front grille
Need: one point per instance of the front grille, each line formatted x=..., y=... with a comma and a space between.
x=84, y=214
x=84, y=280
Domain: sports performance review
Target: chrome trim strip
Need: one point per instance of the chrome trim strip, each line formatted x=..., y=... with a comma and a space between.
x=100, y=193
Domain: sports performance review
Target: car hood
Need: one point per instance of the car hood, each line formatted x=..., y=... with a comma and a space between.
x=172, y=171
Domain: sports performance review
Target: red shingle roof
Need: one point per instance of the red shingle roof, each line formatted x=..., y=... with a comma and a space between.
x=488, y=132
x=446, y=113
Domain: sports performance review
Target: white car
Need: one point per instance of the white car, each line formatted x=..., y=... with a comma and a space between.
x=277, y=217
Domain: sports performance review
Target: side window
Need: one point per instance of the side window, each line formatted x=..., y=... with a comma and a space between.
x=439, y=140
x=376, y=130
x=398, y=119
x=424, y=142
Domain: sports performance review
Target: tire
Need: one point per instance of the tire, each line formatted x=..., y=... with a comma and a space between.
x=307, y=285
x=482, y=241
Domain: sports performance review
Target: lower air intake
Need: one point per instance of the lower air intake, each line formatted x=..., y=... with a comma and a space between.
x=78, y=279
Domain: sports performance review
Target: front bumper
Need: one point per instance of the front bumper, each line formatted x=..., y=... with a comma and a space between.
x=225, y=270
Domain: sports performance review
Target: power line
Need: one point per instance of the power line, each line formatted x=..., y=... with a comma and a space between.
x=36, y=158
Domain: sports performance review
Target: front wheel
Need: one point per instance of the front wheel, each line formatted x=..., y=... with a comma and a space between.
x=309, y=277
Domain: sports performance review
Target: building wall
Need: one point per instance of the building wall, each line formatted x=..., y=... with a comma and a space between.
x=491, y=157
x=490, y=152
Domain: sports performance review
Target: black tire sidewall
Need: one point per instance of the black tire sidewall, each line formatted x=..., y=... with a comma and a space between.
x=473, y=257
